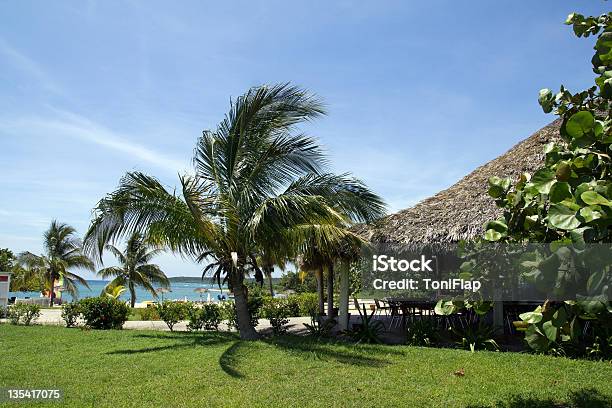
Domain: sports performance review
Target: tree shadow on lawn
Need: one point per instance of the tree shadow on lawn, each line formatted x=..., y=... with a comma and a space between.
x=183, y=340
x=308, y=348
x=583, y=398
x=304, y=347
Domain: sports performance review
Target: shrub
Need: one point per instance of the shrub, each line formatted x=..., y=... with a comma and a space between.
x=475, y=337
x=211, y=316
x=104, y=312
x=421, y=332
x=172, y=312
x=3, y=312
x=23, y=313
x=70, y=313
x=308, y=303
x=228, y=313
x=149, y=313
x=194, y=314
x=277, y=311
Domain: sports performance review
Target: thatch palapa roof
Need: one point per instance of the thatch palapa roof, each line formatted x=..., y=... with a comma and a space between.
x=460, y=211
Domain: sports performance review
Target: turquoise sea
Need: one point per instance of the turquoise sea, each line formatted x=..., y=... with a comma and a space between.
x=179, y=291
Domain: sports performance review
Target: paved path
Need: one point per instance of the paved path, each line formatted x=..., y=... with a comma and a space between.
x=54, y=317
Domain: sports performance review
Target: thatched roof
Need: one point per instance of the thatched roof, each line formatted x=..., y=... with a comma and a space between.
x=460, y=211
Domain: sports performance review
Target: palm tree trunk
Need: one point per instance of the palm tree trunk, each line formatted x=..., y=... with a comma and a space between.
x=132, y=294
x=243, y=316
x=51, y=291
x=269, y=273
x=319, y=275
x=330, y=289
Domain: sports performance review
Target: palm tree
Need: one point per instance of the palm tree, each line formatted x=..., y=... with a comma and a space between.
x=255, y=178
x=63, y=251
x=135, y=269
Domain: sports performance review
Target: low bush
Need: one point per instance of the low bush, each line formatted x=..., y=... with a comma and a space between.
x=421, y=332
x=308, y=303
x=149, y=313
x=70, y=313
x=211, y=316
x=206, y=317
x=23, y=314
x=228, y=313
x=104, y=312
x=172, y=312
x=277, y=311
x=3, y=312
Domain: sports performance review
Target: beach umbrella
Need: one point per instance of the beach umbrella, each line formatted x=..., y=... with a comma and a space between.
x=200, y=291
x=162, y=291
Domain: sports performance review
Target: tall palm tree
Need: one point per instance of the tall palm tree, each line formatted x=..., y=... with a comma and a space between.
x=255, y=178
x=135, y=269
x=63, y=251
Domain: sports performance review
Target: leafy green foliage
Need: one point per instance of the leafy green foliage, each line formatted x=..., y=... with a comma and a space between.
x=103, y=313
x=23, y=313
x=474, y=337
x=278, y=312
x=172, y=312
x=568, y=203
x=135, y=268
x=369, y=330
x=70, y=313
x=207, y=317
x=422, y=332
x=63, y=252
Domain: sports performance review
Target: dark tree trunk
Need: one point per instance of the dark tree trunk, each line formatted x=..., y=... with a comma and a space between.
x=243, y=316
x=330, y=289
x=52, y=290
x=319, y=275
x=132, y=295
x=270, y=283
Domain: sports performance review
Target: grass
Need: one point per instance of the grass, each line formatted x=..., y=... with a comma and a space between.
x=129, y=368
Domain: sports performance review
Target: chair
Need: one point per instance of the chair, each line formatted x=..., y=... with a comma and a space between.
x=381, y=307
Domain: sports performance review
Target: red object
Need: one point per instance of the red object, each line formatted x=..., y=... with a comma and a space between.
x=3, y=278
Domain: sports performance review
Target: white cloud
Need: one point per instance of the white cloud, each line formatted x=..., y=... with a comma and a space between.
x=29, y=66
x=69, y=124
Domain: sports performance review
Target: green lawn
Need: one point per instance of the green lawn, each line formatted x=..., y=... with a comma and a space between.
x=144, y=369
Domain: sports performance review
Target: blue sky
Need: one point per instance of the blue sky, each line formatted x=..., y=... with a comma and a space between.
x=419, y=93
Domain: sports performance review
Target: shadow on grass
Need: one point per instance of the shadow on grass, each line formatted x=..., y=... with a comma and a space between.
x=181, y=340
x=584, y=398
x=308, y=349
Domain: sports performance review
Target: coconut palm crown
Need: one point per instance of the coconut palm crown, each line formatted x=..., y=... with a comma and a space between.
x=135, y=269
x=62, y=253
x=256, y=179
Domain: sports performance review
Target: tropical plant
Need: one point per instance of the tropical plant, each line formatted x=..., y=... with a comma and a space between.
x=255, y=180
x=369, y=330
x=112, y=291
x=70, y=313
x=277, y=311
x=63, y=251
x=172, y=312
x=421, y=332
x=23, y=313
x=474, y=337
x=103, y=312
x=568, y=203
x=135, y=269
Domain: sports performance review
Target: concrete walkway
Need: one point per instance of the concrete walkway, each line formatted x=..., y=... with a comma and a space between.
x=54, y=317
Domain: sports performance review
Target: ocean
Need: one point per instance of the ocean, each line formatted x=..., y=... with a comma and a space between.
x=179, y=291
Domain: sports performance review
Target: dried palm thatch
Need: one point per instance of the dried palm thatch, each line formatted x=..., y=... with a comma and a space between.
x=459, y=212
